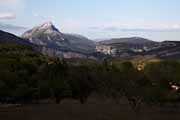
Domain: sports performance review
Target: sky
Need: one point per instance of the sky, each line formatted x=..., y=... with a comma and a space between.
x=98, y=19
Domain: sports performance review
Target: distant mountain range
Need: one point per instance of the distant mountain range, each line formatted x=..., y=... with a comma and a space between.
x=18, y=30
x=8, y=38
x=48, y=40
x=136, y=46
x=132, y=40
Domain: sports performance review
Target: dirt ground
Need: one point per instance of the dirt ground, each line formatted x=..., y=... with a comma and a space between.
x=93, y=110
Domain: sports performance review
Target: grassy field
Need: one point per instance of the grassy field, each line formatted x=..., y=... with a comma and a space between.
x=93, y=110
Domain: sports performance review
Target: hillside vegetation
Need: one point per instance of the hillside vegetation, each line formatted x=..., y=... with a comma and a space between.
x=27, y=76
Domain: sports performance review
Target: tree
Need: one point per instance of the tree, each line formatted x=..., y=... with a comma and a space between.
x=163, y=75
x=81, y=82
x=59, y=86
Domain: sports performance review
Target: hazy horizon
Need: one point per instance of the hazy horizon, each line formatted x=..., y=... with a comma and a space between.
x=96, y=19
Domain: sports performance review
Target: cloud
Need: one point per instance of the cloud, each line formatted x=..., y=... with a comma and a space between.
x=9, y=9
x=7, y=16
x=6, y=2
x=137, y=28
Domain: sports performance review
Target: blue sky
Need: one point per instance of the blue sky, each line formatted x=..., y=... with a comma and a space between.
x=154, y=19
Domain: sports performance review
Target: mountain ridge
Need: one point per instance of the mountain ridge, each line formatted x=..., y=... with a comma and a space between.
x=14, y=29
x=132, y=40
x=48, y=35
x=47, y=39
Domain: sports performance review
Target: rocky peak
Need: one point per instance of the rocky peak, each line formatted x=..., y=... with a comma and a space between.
x=45, y=29
x=48, y=26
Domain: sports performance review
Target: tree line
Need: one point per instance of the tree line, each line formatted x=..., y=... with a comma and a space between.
x=26, y=80
x=27, y=77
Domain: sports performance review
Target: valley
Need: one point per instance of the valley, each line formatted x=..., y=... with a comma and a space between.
x=89, y=60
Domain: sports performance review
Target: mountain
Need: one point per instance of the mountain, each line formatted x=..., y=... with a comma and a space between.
x=8, y=38
x=18, y=30
x=166, y=50
x=81, y=43
x=48, y=35
x=132, y=40
x=126, y=47
x=13, y=44
x=136, y=46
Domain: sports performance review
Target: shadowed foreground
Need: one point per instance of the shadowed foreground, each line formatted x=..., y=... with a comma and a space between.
x=93, y=110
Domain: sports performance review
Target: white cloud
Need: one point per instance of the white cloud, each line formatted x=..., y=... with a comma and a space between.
x=135, y=26
x=176, y=26
x=6, y=2
x=7, y=16
x=9, y=9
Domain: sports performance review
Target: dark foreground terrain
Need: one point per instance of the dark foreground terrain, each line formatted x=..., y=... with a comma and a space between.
x=27, y=77
x=92, y=110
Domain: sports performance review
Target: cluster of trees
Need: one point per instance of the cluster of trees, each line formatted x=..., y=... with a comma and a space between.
x=27, y=77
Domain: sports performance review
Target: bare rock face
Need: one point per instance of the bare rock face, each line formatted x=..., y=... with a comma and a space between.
x=59, y=44
x=46, y=34
x=61, y=53
x=135, y=46
x=121, y=47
